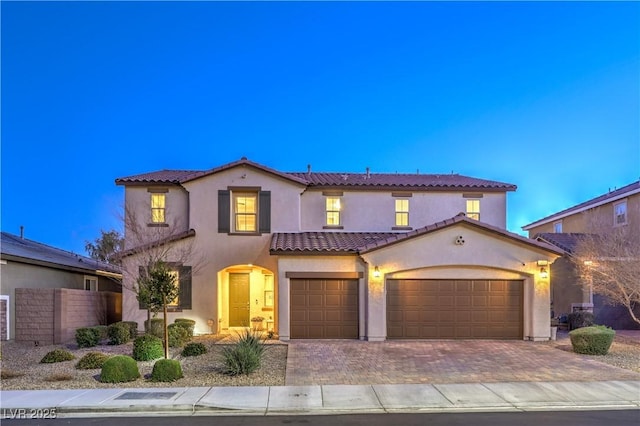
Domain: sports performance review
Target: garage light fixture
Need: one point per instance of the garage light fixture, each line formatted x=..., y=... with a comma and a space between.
x=543, y=264
x=376, y=272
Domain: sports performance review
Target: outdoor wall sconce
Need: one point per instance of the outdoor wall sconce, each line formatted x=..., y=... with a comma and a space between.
x=543, y=264
x=543, y=273
x=376, y=272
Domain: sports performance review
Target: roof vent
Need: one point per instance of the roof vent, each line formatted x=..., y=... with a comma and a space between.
x=308, y=169
x=21, y=232
x=345, y=177
x=368, y=174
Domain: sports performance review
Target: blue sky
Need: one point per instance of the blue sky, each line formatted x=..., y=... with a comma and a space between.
x=544, y=95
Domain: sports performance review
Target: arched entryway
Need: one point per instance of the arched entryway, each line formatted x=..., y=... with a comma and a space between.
x=246, y=298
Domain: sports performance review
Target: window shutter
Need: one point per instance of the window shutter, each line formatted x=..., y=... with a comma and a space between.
x=141, y=272
x=224, y=205
x=265, y=212
x=185, y=287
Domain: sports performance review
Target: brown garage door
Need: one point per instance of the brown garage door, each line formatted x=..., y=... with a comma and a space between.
x=454, y=309
x=324, y=309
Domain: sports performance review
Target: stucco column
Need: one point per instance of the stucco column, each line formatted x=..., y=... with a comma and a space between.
x=540, y=305
x=376, y=308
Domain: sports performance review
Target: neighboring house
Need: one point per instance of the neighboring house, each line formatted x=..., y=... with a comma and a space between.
x=340, y=255
x=617, y=208
x=27, y=264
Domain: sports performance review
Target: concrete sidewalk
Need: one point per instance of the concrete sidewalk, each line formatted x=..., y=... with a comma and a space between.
x=326, y=399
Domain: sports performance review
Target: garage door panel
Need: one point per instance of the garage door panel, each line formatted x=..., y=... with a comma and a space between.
x=449, y=309
x=324, y=309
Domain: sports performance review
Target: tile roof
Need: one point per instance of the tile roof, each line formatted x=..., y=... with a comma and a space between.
x=158, y=243
x=22, y=248
x=401, y=181
x=363, y=242
x=611, y=196
x=323, y=242
x=566, y=241
x=332, y=180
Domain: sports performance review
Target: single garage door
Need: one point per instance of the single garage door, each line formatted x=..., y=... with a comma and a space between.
x=324, y=309
x=454, y=309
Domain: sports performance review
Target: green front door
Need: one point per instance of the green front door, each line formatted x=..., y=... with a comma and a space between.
x=238, y=300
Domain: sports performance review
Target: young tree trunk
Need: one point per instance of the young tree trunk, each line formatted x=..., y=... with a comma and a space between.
x=166, y=328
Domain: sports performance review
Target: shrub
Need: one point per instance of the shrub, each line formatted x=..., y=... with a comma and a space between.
x=194, y=349
x=244, y=356
x=178, y=335
x=133, y=328
x=119, y=369
x=155, y=326
x=119, y=333
x=57, y=355
x=580, y=319
x=187, y=324
x=103, y=330
x=87, y=337
x=593, y=340
x=58, y=377
x=147, y=347
x=92, y=360
x=166, y=370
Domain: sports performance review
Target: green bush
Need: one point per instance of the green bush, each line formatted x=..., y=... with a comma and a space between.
x=57, y=355
x=194, y=349
x=103, y=330
x=155, y=326
x=92, y=360
x=178, y=336
x=87, y=337
x=147, y=347
x=244, y=356
x=593, y=340
x=133, y=328
x=188, y=325
x=119, y=333
x=119, y=369
x=580, y=319
x=166, y=370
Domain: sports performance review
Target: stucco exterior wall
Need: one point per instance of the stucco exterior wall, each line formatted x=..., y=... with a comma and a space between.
x=482, y=256
x=138, y=211
x=374, y=211
x=597, y=219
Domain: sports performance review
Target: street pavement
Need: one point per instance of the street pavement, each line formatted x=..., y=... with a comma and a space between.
x=323, y=399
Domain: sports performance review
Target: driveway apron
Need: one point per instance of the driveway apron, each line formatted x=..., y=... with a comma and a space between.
x=353, y=362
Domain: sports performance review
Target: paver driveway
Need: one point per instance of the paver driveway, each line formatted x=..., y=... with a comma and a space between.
x=439, y=361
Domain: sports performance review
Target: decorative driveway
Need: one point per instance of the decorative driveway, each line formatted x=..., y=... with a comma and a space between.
x=353, y=362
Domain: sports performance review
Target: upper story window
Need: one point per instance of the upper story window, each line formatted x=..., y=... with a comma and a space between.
x=158, y=202
x=473, y=209
x=620, y=213
x=244, y=211
x=557, y=227
x=90, y=283
x=333, y=206
x=402, y=212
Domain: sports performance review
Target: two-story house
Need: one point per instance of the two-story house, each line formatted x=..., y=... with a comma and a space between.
x=617, y=209
x=340, y=255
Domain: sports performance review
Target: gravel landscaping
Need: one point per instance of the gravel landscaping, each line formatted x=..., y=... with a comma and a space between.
x=624, y=352
x=22, y=370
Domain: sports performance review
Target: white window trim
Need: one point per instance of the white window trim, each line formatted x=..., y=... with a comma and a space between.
x=558, y=222
x=4, y=297
x=327, y=211
x=92, y=279
x=234, y=224
x=626, y=213
x=396, y=212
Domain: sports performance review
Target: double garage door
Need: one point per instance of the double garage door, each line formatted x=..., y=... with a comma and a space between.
x=324, y=309
x=416, y=309
x=454, y=309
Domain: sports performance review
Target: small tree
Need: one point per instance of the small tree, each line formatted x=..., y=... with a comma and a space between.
x=107, y=247
x=608, y=263
x=160, y=289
